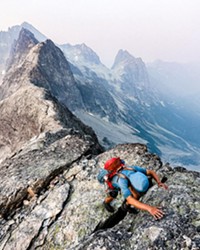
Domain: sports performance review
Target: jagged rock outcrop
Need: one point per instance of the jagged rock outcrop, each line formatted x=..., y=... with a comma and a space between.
x=53, y=72
x=32, y=193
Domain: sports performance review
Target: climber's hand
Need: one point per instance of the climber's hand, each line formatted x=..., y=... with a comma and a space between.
x=156, y=212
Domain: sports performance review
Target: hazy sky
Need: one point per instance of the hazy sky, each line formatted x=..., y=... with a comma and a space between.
x=150, y=29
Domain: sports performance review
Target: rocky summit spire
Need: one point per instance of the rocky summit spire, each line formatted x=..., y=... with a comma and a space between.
x=132, y=75
x=123, y=56
x=17, y=66
x=21, y=47
x=25, y=41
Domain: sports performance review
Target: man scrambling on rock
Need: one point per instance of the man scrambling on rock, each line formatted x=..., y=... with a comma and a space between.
x=133, y=182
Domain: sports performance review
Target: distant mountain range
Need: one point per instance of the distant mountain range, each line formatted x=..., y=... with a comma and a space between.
x=128, y=103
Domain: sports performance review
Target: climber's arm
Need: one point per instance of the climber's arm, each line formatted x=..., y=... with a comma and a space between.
x=154, y=211
x=156, y=178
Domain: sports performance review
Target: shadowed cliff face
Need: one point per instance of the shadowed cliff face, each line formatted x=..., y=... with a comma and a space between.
x=53, y=73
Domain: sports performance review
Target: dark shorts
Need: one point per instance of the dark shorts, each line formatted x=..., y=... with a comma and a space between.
x=112, y=192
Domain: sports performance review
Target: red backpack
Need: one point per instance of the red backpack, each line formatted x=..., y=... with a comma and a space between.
x=112, y=165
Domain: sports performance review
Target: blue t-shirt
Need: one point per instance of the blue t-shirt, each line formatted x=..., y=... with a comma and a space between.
x=137, y=178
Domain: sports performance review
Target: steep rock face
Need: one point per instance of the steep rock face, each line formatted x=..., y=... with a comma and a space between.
x=179, y=229
x=27, y=110
x=53, y=73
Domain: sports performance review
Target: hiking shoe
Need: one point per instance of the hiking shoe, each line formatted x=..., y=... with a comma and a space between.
x=108, y=207
x=128, y=208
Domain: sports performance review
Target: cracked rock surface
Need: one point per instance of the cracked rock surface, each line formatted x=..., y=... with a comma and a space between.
x=34, y=188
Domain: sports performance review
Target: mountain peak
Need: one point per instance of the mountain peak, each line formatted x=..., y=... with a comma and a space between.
x=21, y=46
x=26, y=39
x=124, y=57
x=124, y=54
x=38, y=35
x=88, y=53
x=26, y=24
x=80, y=53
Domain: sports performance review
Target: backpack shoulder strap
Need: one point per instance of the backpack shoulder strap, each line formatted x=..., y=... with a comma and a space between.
x=131, y=169
x=110, y=177
x=121, y=175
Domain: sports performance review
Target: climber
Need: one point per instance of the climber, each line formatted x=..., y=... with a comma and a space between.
x=132, y=181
